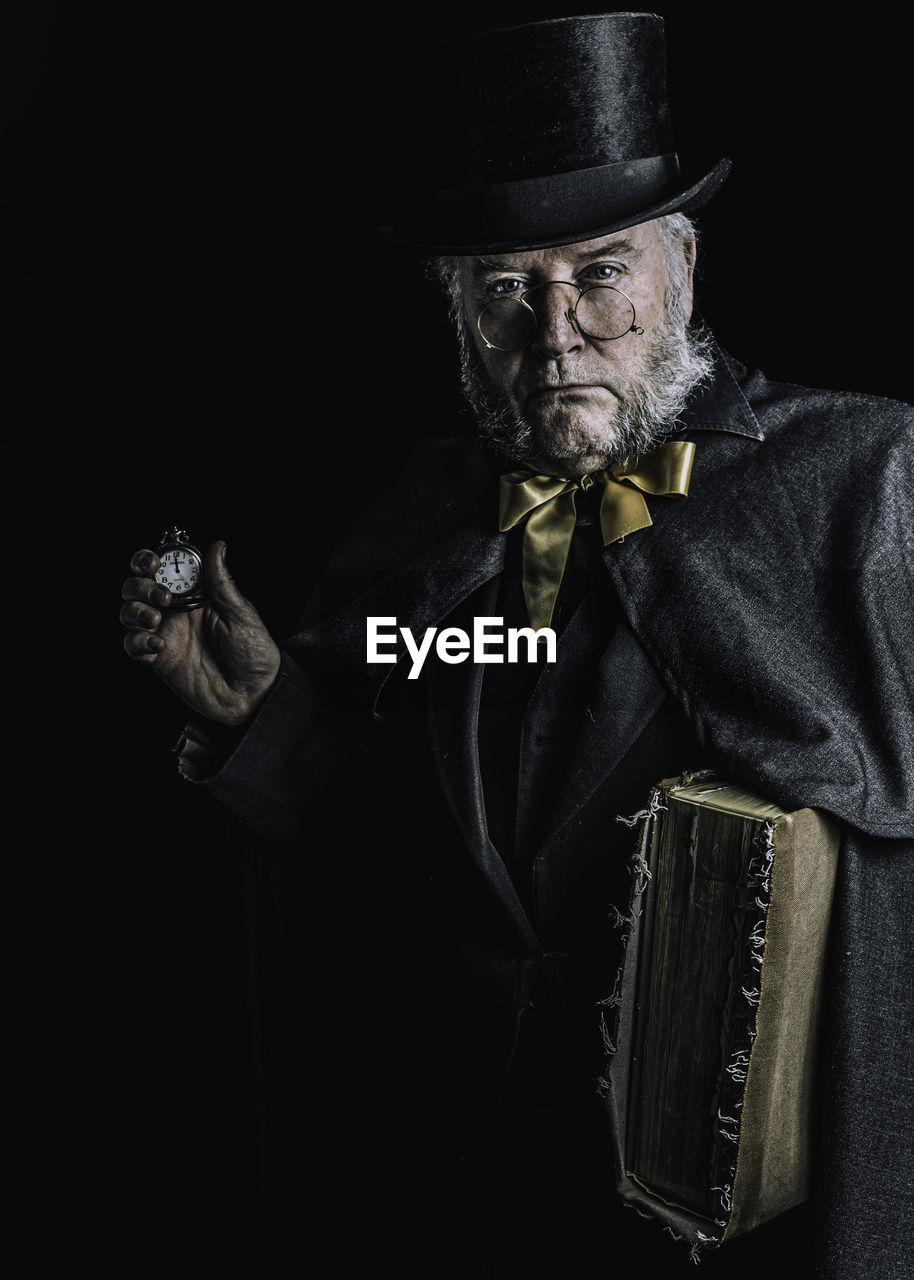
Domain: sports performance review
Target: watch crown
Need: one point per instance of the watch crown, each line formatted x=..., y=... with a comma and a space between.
x=174, y=534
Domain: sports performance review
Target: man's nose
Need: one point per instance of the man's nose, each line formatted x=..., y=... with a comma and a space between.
x=557, y=332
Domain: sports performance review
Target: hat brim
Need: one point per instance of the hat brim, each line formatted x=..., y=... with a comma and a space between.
x=506, y=220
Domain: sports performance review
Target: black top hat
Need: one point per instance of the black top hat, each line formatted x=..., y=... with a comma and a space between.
x=545, y=134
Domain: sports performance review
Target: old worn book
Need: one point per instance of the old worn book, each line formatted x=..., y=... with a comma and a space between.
x=713, y=1031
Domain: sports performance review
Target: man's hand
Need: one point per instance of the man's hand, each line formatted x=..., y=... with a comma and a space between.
x=220, y=658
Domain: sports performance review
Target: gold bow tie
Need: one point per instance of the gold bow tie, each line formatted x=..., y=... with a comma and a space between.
x=549, y=503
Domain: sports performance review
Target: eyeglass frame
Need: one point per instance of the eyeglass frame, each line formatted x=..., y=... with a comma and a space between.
x=570, y=314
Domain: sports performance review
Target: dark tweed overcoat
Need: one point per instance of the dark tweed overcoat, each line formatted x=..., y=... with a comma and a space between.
x=763, y=625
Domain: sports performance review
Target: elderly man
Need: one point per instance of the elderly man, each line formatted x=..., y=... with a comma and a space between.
x=699, y=568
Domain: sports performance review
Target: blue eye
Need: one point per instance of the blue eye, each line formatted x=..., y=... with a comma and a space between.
x=602, y=271
x=505, y=287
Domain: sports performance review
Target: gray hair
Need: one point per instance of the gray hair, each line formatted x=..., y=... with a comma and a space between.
x=678, y=236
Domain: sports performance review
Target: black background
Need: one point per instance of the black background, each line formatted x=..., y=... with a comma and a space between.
x=201, y=327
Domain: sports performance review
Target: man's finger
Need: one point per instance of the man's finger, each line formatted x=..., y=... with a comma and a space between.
x=146, y=590
x=143, y=646
x=144, y=562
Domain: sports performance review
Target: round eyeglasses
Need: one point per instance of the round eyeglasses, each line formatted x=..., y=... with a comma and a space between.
x=602, y=312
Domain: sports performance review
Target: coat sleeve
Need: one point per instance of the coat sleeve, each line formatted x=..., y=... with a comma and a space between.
x=867, y=1167
x=270, y=775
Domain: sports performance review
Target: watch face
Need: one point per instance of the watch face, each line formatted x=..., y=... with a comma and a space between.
x=179, y=571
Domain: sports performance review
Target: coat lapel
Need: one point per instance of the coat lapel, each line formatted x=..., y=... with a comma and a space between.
x=419, y=594
x=456, y=579
x=454, y=694
x=626, y=695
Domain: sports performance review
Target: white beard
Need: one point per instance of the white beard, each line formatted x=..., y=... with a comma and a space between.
x=648, y=404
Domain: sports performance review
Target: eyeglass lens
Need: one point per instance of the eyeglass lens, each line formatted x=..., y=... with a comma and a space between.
x=601, y=312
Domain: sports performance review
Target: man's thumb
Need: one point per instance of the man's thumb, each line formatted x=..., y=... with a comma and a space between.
x=219, y=583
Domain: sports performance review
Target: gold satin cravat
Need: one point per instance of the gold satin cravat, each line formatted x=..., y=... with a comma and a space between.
x=549, y=504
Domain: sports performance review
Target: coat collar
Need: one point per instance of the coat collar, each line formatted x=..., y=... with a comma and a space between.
x=720, y=404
